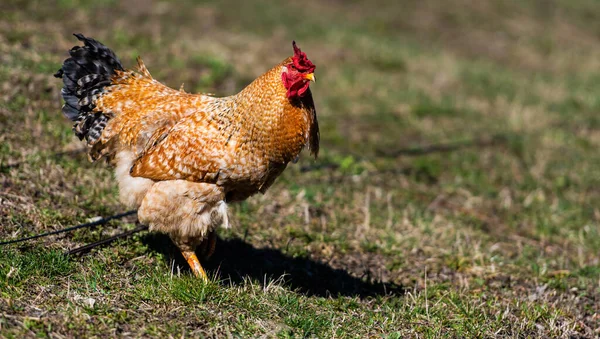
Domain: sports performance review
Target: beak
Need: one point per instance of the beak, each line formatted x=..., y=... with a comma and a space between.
x=311, y=77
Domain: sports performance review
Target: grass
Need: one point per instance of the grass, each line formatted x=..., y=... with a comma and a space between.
x=455, y=194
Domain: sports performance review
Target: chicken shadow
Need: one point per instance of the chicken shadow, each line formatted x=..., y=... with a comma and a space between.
x=235, y=260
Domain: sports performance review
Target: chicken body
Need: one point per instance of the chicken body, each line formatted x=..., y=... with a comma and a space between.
x=180, y=157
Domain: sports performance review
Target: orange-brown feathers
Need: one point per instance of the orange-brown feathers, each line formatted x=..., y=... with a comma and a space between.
x=241, y=139
x=241, y=142
x=142, y=109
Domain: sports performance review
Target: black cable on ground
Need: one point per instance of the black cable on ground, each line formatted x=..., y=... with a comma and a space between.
x=89, y=224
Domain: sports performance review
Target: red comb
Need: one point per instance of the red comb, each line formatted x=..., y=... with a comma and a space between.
x=300, y=60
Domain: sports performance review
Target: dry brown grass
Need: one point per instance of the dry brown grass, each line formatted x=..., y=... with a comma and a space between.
x=456, y=194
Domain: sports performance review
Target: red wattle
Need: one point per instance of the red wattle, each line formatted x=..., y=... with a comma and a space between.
x=296, y=87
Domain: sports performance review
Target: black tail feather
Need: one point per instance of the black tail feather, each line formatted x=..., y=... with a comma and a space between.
x=85, y=74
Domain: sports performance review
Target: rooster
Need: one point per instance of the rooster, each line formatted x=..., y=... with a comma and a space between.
x=180, y=158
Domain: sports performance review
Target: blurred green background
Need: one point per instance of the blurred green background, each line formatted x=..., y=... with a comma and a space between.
x=456, y=193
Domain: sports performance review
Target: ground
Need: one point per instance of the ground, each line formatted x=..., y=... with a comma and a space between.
x=457, y=191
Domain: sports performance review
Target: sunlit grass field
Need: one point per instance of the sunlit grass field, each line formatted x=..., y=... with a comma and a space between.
x=457, y=192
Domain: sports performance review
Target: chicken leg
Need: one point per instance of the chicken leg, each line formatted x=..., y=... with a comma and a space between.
x=207, y=247
x=194, y=263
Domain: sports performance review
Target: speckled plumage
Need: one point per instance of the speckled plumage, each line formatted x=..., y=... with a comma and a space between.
x=180, y=157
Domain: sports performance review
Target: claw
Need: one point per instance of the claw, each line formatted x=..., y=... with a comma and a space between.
x=194, y=263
